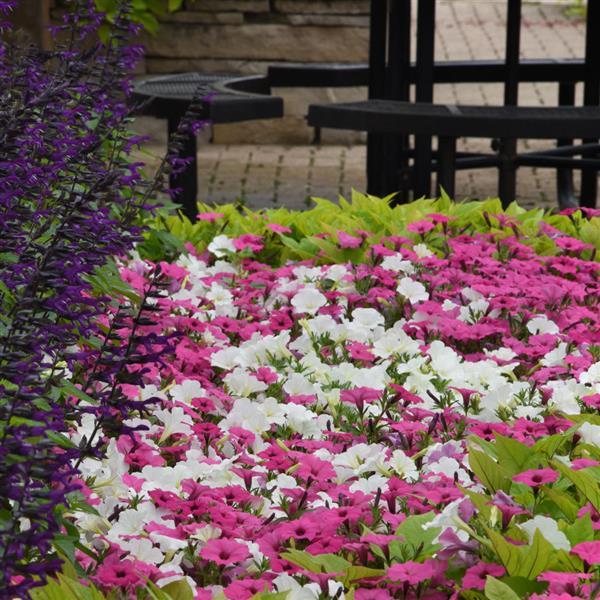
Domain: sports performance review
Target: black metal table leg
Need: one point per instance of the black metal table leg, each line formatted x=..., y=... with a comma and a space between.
x=564, y=177
x=398, y=88
x=376, y=163
x=446, y=165
x=185, y=178
x=507, y=174
x=424, y=92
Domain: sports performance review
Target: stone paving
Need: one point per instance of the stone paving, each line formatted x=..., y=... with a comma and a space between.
x=276, y=175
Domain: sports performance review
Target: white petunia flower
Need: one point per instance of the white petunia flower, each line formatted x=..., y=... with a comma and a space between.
x=549, y=529
x=298, y=385
x=221, y=245
x=241, y=383
x=555, y=357
x=403, y=465
x=174, y=421
x=542, y=324
x=590, y=434
x=413, y=291
x=397, y=264
x=247, y=415
x=286, y=583
x=422, y=251
x=219, y=295
x=228, y=358
x=142, y=549
x=592, y=375
x=186, y=391
x=367, y=317
x=273, y=411
x=308, y=300
x=370, y=485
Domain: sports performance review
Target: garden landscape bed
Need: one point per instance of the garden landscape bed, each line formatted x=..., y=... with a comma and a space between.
x=354, y=414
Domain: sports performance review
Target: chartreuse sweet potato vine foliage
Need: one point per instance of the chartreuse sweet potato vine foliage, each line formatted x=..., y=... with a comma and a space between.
x=357, y=402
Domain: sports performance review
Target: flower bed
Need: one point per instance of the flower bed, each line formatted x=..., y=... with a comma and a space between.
x=402, y=416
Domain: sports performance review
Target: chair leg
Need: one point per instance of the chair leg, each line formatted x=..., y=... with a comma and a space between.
x=507, y=175
x=422, y=167
x=376, y=165
x=564, y=177
x=589, y=187
x=446, y=165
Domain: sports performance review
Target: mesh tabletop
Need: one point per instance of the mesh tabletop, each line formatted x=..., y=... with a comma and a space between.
x=169, y=96
x=181, y=86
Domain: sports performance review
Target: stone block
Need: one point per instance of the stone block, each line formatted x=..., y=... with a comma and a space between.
x=259, y=42
x=325, y=20
x=256, y=6
x=336, y=7
x=206, y=65
x=204, y=16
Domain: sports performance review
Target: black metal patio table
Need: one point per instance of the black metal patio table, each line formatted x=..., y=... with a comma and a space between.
x=225, y=99
x=390, y=117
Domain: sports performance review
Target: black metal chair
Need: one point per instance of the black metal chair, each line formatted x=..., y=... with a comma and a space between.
x=390, y=118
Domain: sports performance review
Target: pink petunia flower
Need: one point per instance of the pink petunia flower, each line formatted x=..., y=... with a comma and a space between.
x=372, y=594
x=588, y=551
x=117, y=573
x=243, y=589
x=412, y=572
x=475, y=576
x=211, y=217
x=250, y=241
x=594, y=514
x=345, y=240
x=507, y=506
x=360, y=395
x=278, y=228
x=536, y=477
x=438, y=218
x=224, y=552
x=420, y=227
x=584, y=463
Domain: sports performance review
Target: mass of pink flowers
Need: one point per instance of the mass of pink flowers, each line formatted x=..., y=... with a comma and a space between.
x=311, y=432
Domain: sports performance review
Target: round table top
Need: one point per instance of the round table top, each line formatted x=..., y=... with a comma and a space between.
x=169, y=96
x=179, y=86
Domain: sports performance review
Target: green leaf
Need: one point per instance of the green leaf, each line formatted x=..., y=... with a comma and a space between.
x=512, y=455
x=488, y=471
x=73, y=390
x=179, y=590
x=524, y=587
x=550, y=445
x=271, y=595
x=60, y=440
x=585, y=484
x=415, y=541
x=536, y=557
x=582, y=530
x=562, y=500
x=496, y=590
x=356, y=573
x=320, y=563
x=508, y=553
x=66, y=588
x=174, y=5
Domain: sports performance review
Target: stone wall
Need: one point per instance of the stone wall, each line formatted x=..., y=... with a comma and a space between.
x=245, y=36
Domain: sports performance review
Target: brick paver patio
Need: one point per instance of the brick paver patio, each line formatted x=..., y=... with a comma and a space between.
x=269, y=175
